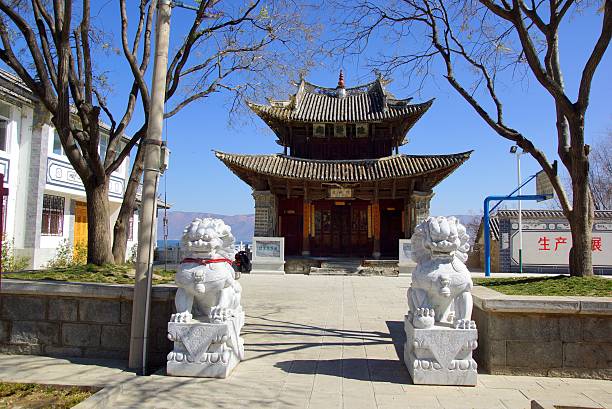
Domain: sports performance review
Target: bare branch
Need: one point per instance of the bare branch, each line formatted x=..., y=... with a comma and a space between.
x=595, y=58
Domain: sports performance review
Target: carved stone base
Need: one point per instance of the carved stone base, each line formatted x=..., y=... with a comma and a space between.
x=440, y=355
x=267, y=267
x=406, y=269
x=206, y=350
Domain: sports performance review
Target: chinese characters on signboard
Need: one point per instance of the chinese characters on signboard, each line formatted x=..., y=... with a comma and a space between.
x=268, y=249
x=545, y=243
x=339, y=193
x=548, y=243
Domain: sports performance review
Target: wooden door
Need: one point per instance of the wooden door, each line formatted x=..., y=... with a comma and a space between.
x=390, y=227
x=80, y=224
x=291, y=230
x=290, y=221
x=360, y=243
x=321, y=242
x=341, y=229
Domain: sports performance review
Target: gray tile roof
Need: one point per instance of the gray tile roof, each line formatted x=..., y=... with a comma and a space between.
x=361, y=170
x=365, y=103
x=546, y=214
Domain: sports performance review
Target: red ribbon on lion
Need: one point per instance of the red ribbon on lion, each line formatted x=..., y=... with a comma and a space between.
x=205, y=261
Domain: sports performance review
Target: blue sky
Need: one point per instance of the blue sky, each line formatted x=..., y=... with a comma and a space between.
x=197, y=181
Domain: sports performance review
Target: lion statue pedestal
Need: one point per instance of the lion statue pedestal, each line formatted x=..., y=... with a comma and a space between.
x=209, y=317
x=440, y=335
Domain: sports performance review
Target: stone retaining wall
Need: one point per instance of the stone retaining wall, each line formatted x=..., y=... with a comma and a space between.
x=78, y=320
x=544, y=336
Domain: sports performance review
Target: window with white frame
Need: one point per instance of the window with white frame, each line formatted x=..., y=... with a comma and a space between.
x=5, y=114
x=52, y=216
x=58, y=149
x=103, y=146
x=4, y=134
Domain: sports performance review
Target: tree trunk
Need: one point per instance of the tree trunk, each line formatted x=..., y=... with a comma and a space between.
x=98, y=223
x=127, y=208
x=120, y=233
x=581, y=224
x=581, y=217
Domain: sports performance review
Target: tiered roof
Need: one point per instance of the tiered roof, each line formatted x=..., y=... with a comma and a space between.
x=365, y=103
x=370, y=102
x=342, y=171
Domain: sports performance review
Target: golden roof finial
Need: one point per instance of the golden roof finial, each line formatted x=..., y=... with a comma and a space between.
x=341, y=80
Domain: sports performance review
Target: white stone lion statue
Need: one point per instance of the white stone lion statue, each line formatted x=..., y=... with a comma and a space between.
x=441, y=283
x=206, y=278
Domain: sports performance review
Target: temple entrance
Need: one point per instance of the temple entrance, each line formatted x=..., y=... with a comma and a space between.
x=290, y=220
x=341, y=228
x=390, y=227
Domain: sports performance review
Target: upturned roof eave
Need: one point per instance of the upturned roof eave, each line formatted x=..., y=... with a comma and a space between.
x=238, y=168
x=266, y=113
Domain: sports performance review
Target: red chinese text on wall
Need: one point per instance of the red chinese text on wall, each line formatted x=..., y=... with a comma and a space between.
x=558, y=243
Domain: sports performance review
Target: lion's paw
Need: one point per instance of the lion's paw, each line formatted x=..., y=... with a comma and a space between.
x=220, y=314
x=424, y=318
x=465, y=324
x=181, y=317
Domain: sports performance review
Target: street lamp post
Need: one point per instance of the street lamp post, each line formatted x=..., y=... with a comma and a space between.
x=514, y=149
x=152, y=168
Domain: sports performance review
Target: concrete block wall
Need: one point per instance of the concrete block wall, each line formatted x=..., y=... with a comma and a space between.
x=543, y=336
x=78, y=320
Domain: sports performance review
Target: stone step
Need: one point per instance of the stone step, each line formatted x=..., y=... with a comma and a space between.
x=349, y=264
x=332, y=271
x=360, y=271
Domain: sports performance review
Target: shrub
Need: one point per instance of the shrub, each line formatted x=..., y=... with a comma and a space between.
x=67, y=256
x=133, y=254
x=79, y=254
x=11, y=262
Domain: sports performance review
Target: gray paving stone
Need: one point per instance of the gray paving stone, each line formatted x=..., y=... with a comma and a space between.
x=81, y=335
x=525, y=327
x=116, y=337
x=33, y=332
x=4, y=331
x=596, y=329
x=126, y=312
x=587, y=354
x=99, y=311
x=23, y=308
x=63, y=309
x=311, y=342
x=534, y=355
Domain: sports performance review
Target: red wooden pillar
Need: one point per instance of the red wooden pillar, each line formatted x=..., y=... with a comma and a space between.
x=376, y=229
x=307, y=221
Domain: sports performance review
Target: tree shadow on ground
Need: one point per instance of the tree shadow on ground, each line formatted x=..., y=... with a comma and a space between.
x=362, y=369
x=280, y=336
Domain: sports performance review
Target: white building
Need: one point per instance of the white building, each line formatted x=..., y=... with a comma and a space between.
x=46, y=201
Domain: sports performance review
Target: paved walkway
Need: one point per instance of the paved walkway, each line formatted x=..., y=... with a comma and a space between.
x=63, y=371
x=332, y=342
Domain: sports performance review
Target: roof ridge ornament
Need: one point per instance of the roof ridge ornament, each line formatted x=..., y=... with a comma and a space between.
x=340, y=89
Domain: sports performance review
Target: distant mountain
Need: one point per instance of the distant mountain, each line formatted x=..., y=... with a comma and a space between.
x=242, y=225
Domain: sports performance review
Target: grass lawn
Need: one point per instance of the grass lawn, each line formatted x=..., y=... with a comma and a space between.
x=110, y=273
x=27, y=395
x=557, y=285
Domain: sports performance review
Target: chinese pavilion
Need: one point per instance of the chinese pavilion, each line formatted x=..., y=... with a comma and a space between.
x=340, y=188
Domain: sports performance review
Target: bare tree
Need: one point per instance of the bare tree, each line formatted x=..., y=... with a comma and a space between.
x=241, y=50
x=51, y=47
x=600, y=173
x=478, y=43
